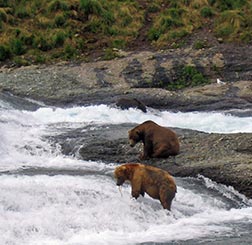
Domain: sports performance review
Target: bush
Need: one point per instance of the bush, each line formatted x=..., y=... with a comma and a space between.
x=91, y=7
x=3, y=16
x=17, y=47
x=59, y=20
x=188, y=76
x=21, y=12
x=58, y=5
x=223, y=5
x=69, y=51
x=59, y=39
x=42, y=44
x=206, y=12
x=4, y=53
x=154, y=34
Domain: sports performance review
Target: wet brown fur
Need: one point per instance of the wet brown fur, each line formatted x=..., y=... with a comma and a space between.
x=156, y=182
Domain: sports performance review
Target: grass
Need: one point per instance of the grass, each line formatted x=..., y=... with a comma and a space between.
x=51, y=30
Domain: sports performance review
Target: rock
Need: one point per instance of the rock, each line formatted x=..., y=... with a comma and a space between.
x=140, y=75
x=126, y=103
x=224, y=158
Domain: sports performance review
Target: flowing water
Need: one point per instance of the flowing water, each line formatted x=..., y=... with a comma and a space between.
x=49, y=198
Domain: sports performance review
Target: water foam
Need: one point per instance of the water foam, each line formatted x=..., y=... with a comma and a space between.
x=214, y=122
x=79, y=210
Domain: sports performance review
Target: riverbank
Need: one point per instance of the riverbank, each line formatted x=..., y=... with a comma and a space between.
x=223, y=158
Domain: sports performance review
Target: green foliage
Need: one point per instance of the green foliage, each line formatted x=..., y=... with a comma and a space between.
x=61, y=29
x=17, y=47
x=223, y=5
x=229, y=24
x=69, y=51
x=188, y=76
x=119, y=43
x=206, y=12
x=22, y=12
x=4, y=53
x=109, y=54
x=42, y=43
x=58, y=5
x=199, y=44
x=3, y=15
x=59, y=20
x=91, y=7
x=59, y=39
x=4, y=3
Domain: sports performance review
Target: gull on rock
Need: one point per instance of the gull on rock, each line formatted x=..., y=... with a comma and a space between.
x=220, y=82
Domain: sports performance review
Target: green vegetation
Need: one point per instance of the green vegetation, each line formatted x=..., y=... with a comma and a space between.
x=189, y=76
x=37, y=31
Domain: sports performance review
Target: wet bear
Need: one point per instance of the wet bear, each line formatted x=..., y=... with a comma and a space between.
x=159, y=142
x=156, y=182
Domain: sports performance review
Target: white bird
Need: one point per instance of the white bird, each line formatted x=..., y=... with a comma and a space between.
x=220, y=82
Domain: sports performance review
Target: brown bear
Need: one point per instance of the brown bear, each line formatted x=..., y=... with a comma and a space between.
x=156, y=182
x=159, y=142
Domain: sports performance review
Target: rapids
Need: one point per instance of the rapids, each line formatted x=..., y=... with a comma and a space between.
x=49, y=198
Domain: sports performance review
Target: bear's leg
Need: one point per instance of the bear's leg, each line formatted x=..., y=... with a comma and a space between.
x=161, y=152
x=166, y=196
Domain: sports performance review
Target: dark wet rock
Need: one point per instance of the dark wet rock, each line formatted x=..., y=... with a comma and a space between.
x=127, y=103
x=143, y=76
x=224, y=158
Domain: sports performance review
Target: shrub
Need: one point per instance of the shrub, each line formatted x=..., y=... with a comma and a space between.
x=223, y=5
x=188, y=76
x=17, y=47
x=69, y=51
x=206, y=12
x=4, y=3
x=199, y=44
x=154, y=34
x=58, y=5
x=3, y=16
x=42, y=44
x=21, y=12
x=119, y=43
x=91, y=7
x=59, y=39
x=59, y=20
x=4, y=53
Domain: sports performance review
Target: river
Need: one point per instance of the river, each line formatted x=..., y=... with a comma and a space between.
x=49, y=198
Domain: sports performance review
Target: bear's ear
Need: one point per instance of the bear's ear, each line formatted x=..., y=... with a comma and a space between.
x=123, y=168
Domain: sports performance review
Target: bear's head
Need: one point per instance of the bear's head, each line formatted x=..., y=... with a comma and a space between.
x=120, y=174
x=134, y=136
x=124, y=172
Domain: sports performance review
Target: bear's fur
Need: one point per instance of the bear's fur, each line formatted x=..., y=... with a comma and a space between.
x=156, y=182
x=159, y=142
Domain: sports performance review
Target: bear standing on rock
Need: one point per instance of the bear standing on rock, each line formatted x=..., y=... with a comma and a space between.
x=159, y=142
x=156, y=182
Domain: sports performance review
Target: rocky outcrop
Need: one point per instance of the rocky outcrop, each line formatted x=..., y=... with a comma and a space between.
x=225, y=158
x=142, y=76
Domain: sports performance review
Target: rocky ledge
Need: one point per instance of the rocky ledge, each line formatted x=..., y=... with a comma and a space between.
x=223, y=158
x=140, y=75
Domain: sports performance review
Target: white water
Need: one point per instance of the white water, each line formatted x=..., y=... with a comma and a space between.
x=88, y=208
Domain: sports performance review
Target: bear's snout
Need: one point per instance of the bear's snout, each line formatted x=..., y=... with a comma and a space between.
x=119, y=181
x=132, y=143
